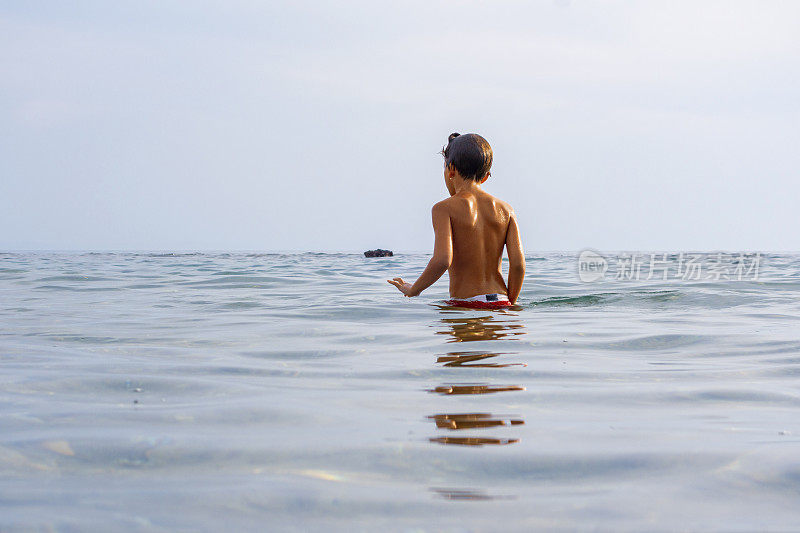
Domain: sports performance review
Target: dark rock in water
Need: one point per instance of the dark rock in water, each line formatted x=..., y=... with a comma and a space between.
x=378, y=253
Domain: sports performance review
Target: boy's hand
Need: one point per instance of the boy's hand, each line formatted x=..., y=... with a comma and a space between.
x=401, y=285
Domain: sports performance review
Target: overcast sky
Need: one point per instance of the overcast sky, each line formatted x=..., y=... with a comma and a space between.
x=255, y=125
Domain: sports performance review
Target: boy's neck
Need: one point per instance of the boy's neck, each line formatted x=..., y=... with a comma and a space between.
x=462, y=185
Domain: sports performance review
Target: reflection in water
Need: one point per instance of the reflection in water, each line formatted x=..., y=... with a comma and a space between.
x=471, y=441
x=477, y=388
x=490, y=327
x=467, y=358
x=472, y=420
x=479, y=328
x=456, y=494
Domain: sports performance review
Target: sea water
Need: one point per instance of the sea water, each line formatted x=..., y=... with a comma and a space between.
x=223, y=392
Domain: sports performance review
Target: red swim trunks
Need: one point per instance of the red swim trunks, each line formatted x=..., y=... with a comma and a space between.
x=482, y=301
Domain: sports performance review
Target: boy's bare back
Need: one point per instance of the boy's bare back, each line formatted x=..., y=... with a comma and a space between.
x=471, y=229
x=479, y=224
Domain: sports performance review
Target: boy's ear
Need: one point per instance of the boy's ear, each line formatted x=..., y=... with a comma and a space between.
x=486, y=177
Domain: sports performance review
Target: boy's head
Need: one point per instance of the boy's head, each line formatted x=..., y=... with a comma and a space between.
x=469, y=154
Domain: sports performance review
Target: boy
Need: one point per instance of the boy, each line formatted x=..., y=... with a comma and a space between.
x=471, y=228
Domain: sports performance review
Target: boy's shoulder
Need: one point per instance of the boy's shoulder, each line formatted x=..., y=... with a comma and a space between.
x=505, y=206
x=458, y=208
x=447, y=205
x=457, y=201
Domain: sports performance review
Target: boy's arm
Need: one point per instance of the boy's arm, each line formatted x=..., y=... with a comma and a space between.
x=516, y=259
x=442, y=255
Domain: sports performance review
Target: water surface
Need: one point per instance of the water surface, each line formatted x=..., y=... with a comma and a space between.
x=163, y=392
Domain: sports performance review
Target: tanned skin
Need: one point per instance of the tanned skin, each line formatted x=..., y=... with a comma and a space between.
x=471, y=229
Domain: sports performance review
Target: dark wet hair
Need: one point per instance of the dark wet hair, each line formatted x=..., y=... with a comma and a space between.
x=470, y=154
